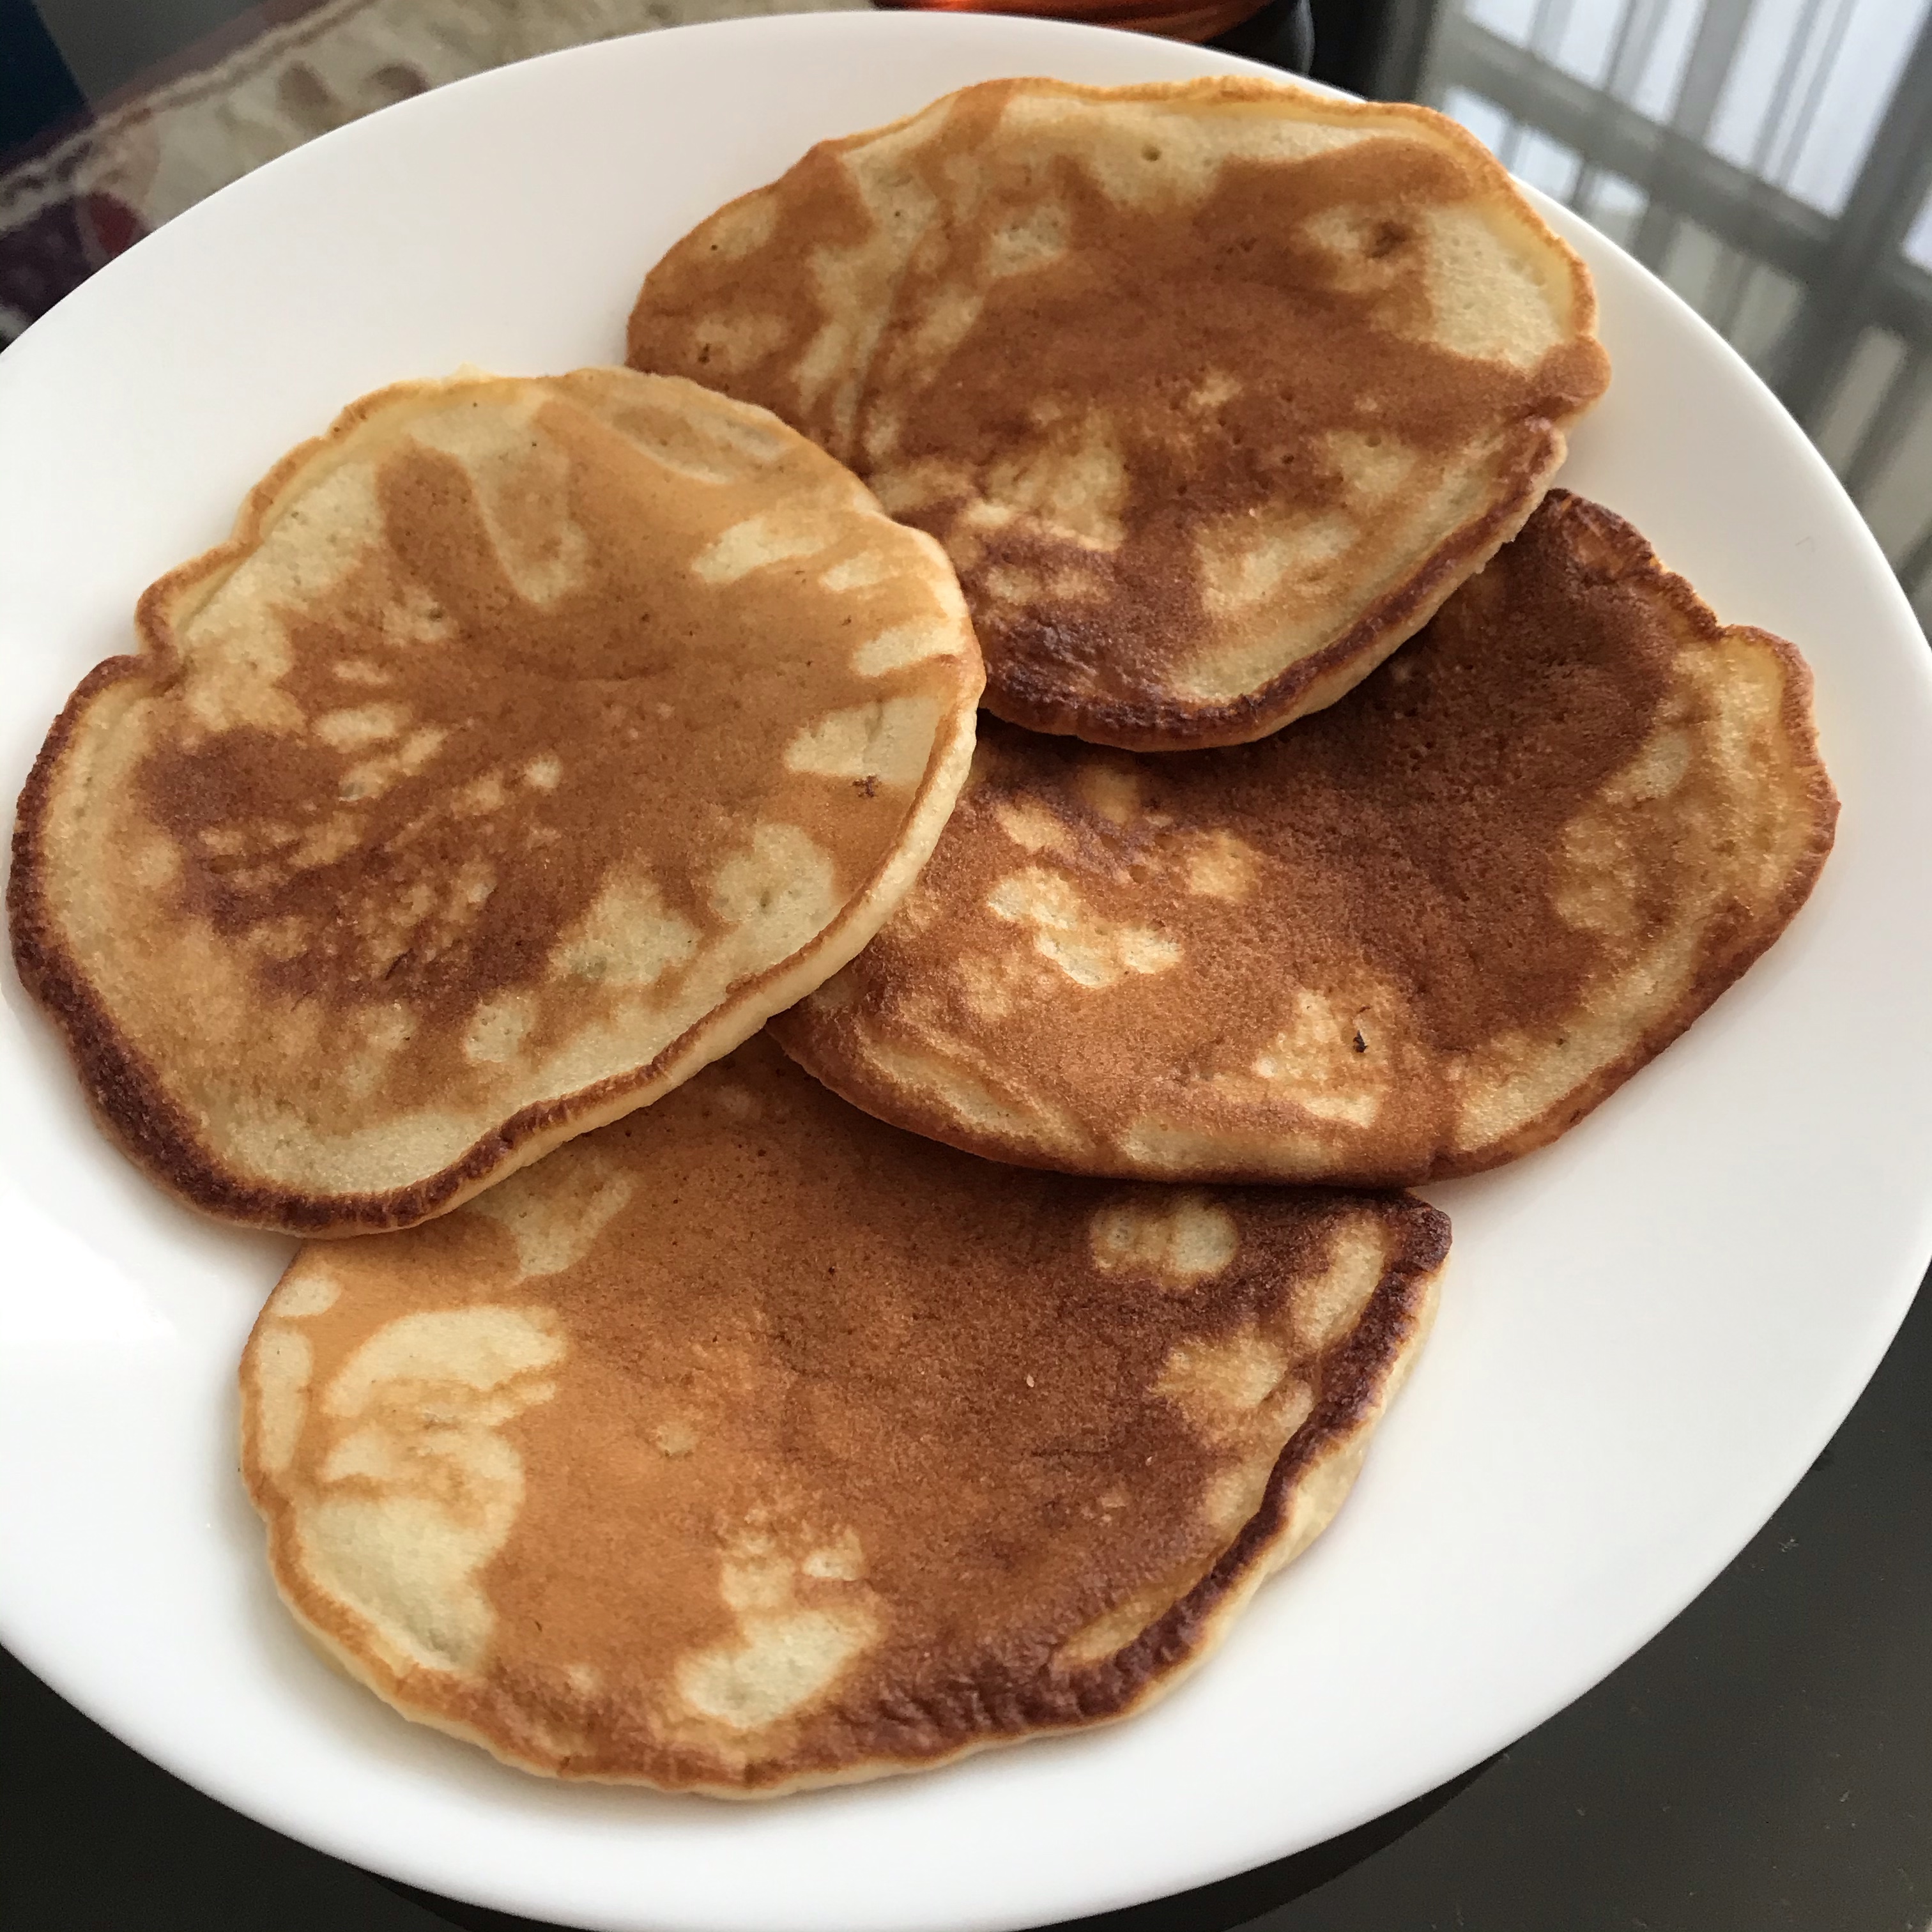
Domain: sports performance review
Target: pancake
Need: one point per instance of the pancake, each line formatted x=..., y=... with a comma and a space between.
x=749, y=1444
x=1213, y=390
x=529, y=742
x=1415, y=936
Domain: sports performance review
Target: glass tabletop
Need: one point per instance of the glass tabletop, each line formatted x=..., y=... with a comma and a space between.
x=1761, y=1763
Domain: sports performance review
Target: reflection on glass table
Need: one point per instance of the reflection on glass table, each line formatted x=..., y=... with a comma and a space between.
x=1773, y=163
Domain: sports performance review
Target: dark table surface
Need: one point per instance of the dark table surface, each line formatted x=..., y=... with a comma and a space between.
x=1766, y=1762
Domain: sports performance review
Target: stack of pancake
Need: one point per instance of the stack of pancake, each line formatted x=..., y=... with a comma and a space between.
x=1354, y=810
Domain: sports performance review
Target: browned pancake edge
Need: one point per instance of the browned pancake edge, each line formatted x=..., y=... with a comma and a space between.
x=826, y=1034
x=1033, y=1562
x=123, y=1090
x=1310, y=1482
x=1018, y=690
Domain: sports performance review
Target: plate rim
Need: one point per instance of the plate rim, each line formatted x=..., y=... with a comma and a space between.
x=1877, y=1334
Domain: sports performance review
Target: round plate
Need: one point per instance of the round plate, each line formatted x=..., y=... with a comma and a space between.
x=1648, y=1330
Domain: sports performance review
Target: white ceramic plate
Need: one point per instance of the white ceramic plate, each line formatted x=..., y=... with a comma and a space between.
x=1649, y=1330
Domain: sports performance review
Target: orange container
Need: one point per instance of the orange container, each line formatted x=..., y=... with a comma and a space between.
x=1173, y=20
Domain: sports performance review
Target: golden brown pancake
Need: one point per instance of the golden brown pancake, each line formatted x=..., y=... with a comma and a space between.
x=748, y=1444
x=1213, y=390
x=1414, y=936
x=529, y=742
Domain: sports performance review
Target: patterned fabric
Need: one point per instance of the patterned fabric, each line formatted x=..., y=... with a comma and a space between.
x=79, y=196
